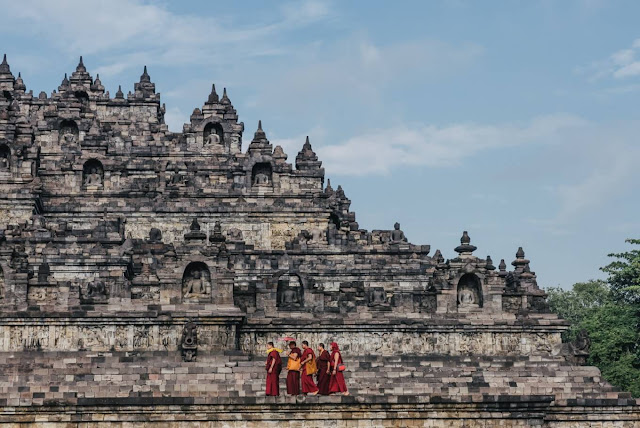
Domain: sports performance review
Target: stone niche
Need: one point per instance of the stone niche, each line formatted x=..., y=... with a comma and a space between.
x=92, y=174
x=196, y=282
x=377, y=299
x=213, y=135
x=68, y=132
x=262, y=175
x=5, y=158
x=2, y=283
x=426, y=301
x=469, y=292
x=290, y=293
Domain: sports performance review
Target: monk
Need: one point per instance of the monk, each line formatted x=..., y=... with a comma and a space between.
x=308, y=359
x=336, y=383
x=323, y=370
x=293, y=377
x=274, y=367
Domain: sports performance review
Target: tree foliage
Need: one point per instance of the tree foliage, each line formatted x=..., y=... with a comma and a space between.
x=610, y=312
x=578, y=303
x=624, y=274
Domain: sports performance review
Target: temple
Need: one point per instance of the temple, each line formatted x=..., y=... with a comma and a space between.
x=143, y=271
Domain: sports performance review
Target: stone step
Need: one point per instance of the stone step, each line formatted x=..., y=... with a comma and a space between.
x=35, y=378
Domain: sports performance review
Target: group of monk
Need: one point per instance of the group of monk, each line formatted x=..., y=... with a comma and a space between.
x=301, y=367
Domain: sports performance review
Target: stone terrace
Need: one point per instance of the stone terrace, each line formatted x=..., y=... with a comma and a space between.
x=142, y=272
x=89, y=378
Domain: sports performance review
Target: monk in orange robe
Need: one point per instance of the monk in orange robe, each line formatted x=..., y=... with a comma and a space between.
x=293, y=377
x=337, y=384
x=308, y=358
x=274, y=367
x=324, y=375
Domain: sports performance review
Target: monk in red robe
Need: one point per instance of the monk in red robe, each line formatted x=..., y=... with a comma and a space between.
x=293, y=377
x=336, y=383
x=306, y=373
x=324, y=374
x=274, y=367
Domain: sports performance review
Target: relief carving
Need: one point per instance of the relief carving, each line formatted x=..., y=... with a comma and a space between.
x=189, y=341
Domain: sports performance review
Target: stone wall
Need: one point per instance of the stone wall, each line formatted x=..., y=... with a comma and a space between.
x=119, y=238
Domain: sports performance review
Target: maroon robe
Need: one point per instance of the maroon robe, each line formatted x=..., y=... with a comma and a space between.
x=273, y=378
x=308, y=386
x=293, y=377
x=336, y=384
x=323, y=376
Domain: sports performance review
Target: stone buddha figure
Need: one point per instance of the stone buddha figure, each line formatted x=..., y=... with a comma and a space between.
x=290, y=292
x=195, y=283
x=4, y=161
x=397, y=235
x=93, y=178
x=176, y=177
x=261, y=179
x=212, y=138
x=290, y=297
x=466, y=297
x=97, y=289
x=69, y=137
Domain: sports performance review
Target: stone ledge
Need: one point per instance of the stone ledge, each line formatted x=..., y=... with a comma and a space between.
x=285, y=409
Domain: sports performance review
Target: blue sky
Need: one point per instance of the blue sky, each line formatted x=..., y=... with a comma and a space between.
x=517, y=121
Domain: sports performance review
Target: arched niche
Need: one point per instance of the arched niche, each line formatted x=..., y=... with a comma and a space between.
x=81, y=96
x=469, y=291
x=261, y=174
x=196, y=281
x=2, y=283
x=93, y=174
x=290, y=293
x=68, y=132
x=333, y=219
x=213, y=134
x=5, y=158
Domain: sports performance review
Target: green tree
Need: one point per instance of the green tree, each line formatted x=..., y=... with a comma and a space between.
x=615, y=344
x=576, y=304
x=624, y=274
x=613, y=327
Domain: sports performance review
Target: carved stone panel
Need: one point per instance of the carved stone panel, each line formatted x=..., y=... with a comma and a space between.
x=511, y=303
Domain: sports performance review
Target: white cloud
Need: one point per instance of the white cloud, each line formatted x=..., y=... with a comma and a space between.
x=121, y=30
x=628, y=70
x=619, y=65
x=381, y=150
x=595, y=162
x=609, y=169
x=174, y=118
x=358, y=68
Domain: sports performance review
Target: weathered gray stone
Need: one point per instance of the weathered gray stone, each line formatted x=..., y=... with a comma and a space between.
x=126, y=251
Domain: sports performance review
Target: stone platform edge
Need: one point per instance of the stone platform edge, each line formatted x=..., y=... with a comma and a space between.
x=538, y=410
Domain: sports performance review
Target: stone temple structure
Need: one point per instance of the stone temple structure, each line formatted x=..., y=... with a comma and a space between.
x=142, y=273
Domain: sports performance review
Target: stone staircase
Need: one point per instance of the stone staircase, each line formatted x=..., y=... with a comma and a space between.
x=162, y=378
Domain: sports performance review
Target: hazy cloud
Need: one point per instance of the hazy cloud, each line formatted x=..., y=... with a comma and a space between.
x=619, y=65
x=357, y=67
x=121, y=30
x=381, y=150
